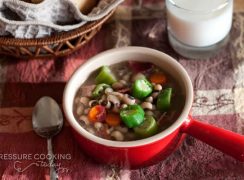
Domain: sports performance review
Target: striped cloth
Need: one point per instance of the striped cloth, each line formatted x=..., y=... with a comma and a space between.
x=219, y=100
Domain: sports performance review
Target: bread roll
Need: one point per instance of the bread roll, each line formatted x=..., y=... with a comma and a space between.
x=85, y=6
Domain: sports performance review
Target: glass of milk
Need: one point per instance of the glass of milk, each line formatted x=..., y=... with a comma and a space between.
x=198, y=28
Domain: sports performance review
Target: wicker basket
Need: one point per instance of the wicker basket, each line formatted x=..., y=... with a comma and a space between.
x=55, y=46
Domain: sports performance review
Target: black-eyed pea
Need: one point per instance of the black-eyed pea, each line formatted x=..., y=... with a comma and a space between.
x=113, y=99
x=137, y=76
x=117, y=135
x=84, y=101
x=126, y=77
x=110, y=130
x=90, y=130
x=158, y=87
x=108, y=90
x=147, y=105
x=104, y=97
x=93, y=103
x=106, y=104
x=84, y=119
x=118, y=85
x=123, y=82
x=129, y=100
x=77, y=100
x=149, y=99
x=117, y=94
x=80, y=109
x=122, y=129
x=98, y=126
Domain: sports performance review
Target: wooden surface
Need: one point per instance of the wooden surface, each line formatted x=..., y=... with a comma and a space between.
x=239, y=5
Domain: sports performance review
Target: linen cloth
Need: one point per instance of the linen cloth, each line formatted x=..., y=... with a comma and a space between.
x=26, y=20
x=219, y=100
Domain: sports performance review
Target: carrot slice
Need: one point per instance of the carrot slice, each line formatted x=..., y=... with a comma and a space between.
x=97, y=113
x=113, y=119
x=158, y=78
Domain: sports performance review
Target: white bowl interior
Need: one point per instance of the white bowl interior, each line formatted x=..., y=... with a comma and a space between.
x=113, y=56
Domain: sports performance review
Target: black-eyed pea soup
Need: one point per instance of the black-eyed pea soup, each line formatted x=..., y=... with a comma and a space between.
x=128, y=101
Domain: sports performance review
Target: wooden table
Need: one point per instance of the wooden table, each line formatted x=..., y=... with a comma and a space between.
x=239, y=5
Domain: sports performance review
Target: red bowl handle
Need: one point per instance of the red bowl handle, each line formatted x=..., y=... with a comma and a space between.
x=226, y=141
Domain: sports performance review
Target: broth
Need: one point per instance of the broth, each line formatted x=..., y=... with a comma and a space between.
x=113, y=113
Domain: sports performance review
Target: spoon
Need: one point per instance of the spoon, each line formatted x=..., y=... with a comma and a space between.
x=47, y=121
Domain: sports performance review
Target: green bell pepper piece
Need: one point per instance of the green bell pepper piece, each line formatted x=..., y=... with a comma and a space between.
x=141, y=88
x=105, y=76
x=132, y=116
x=164, y=99
x=98, y=89
x=148, y=128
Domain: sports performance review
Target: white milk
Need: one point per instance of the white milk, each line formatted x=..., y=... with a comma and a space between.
x=199, y=23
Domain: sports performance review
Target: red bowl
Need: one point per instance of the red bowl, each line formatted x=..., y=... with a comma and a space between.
x=144, y=152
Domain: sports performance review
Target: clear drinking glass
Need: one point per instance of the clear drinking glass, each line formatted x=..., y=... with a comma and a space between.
x=198, y=28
